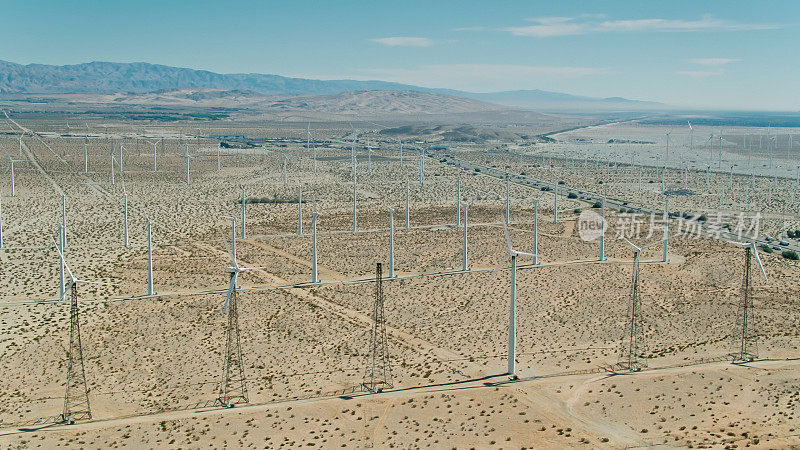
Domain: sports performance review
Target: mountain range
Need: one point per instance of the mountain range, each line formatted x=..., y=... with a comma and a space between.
x=110, y=77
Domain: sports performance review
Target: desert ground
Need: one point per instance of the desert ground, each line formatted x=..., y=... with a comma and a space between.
x=154, y=363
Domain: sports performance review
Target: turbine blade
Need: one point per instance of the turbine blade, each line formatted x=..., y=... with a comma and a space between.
x=230, y=290
x=64, y=262
x=760, y=266
x=741, y=244
x=95, y=282
x=64, y=295
x=632, y=244
x=500, y=264
x=508, y=238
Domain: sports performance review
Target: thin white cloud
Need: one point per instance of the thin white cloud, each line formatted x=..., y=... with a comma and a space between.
x=713, y=62
x=483, y=77
x=404, y=41
x=701, y=73
x=470, y=29
x=568, y=26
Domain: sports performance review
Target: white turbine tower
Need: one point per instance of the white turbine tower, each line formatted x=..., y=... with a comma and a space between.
x=155, y=160
x=535, y=246
x=666, y=160
x=391, y=242
x=124, y=219
x=512, y=309
x=465, y=242
x=187, y=156
x=408, y=214
x=244, y=215
x=314, y=277
x=149, y=230
x=508, y=190
x=458, y=201
x=299, y=209
x=1, y=222
x=112, y=164
x=421, y=165
x=120, y=158
x=85, y=155
x=555, y=201
x=64, y=219
x=11, y=166
x=602, y=229
x=285, y=160
x=666, y=229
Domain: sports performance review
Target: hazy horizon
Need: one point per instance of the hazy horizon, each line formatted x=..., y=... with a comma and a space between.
x=727, y=56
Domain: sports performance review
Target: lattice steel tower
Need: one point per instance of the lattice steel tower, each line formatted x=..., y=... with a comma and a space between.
x=378, y=375
x=233, y=389
x=76, y=399
x=633, y=339
x=745, y=340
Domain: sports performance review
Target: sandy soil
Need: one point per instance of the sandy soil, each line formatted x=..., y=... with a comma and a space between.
x=151, y=361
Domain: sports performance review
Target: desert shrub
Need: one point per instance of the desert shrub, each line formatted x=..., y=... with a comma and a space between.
x=572, y=195
x=596, y=205
x=766, y=248
x=790, y=254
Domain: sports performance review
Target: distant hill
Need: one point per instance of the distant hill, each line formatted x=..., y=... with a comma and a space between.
x=110, y=78
x=555, y=100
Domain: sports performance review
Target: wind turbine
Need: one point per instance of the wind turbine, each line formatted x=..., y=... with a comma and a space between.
x=76, y=398
x=632, y=344
x=745, y=338
x=512, y=309
x=233, y=388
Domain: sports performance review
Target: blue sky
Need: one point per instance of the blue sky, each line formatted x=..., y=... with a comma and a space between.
x=712, y=54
